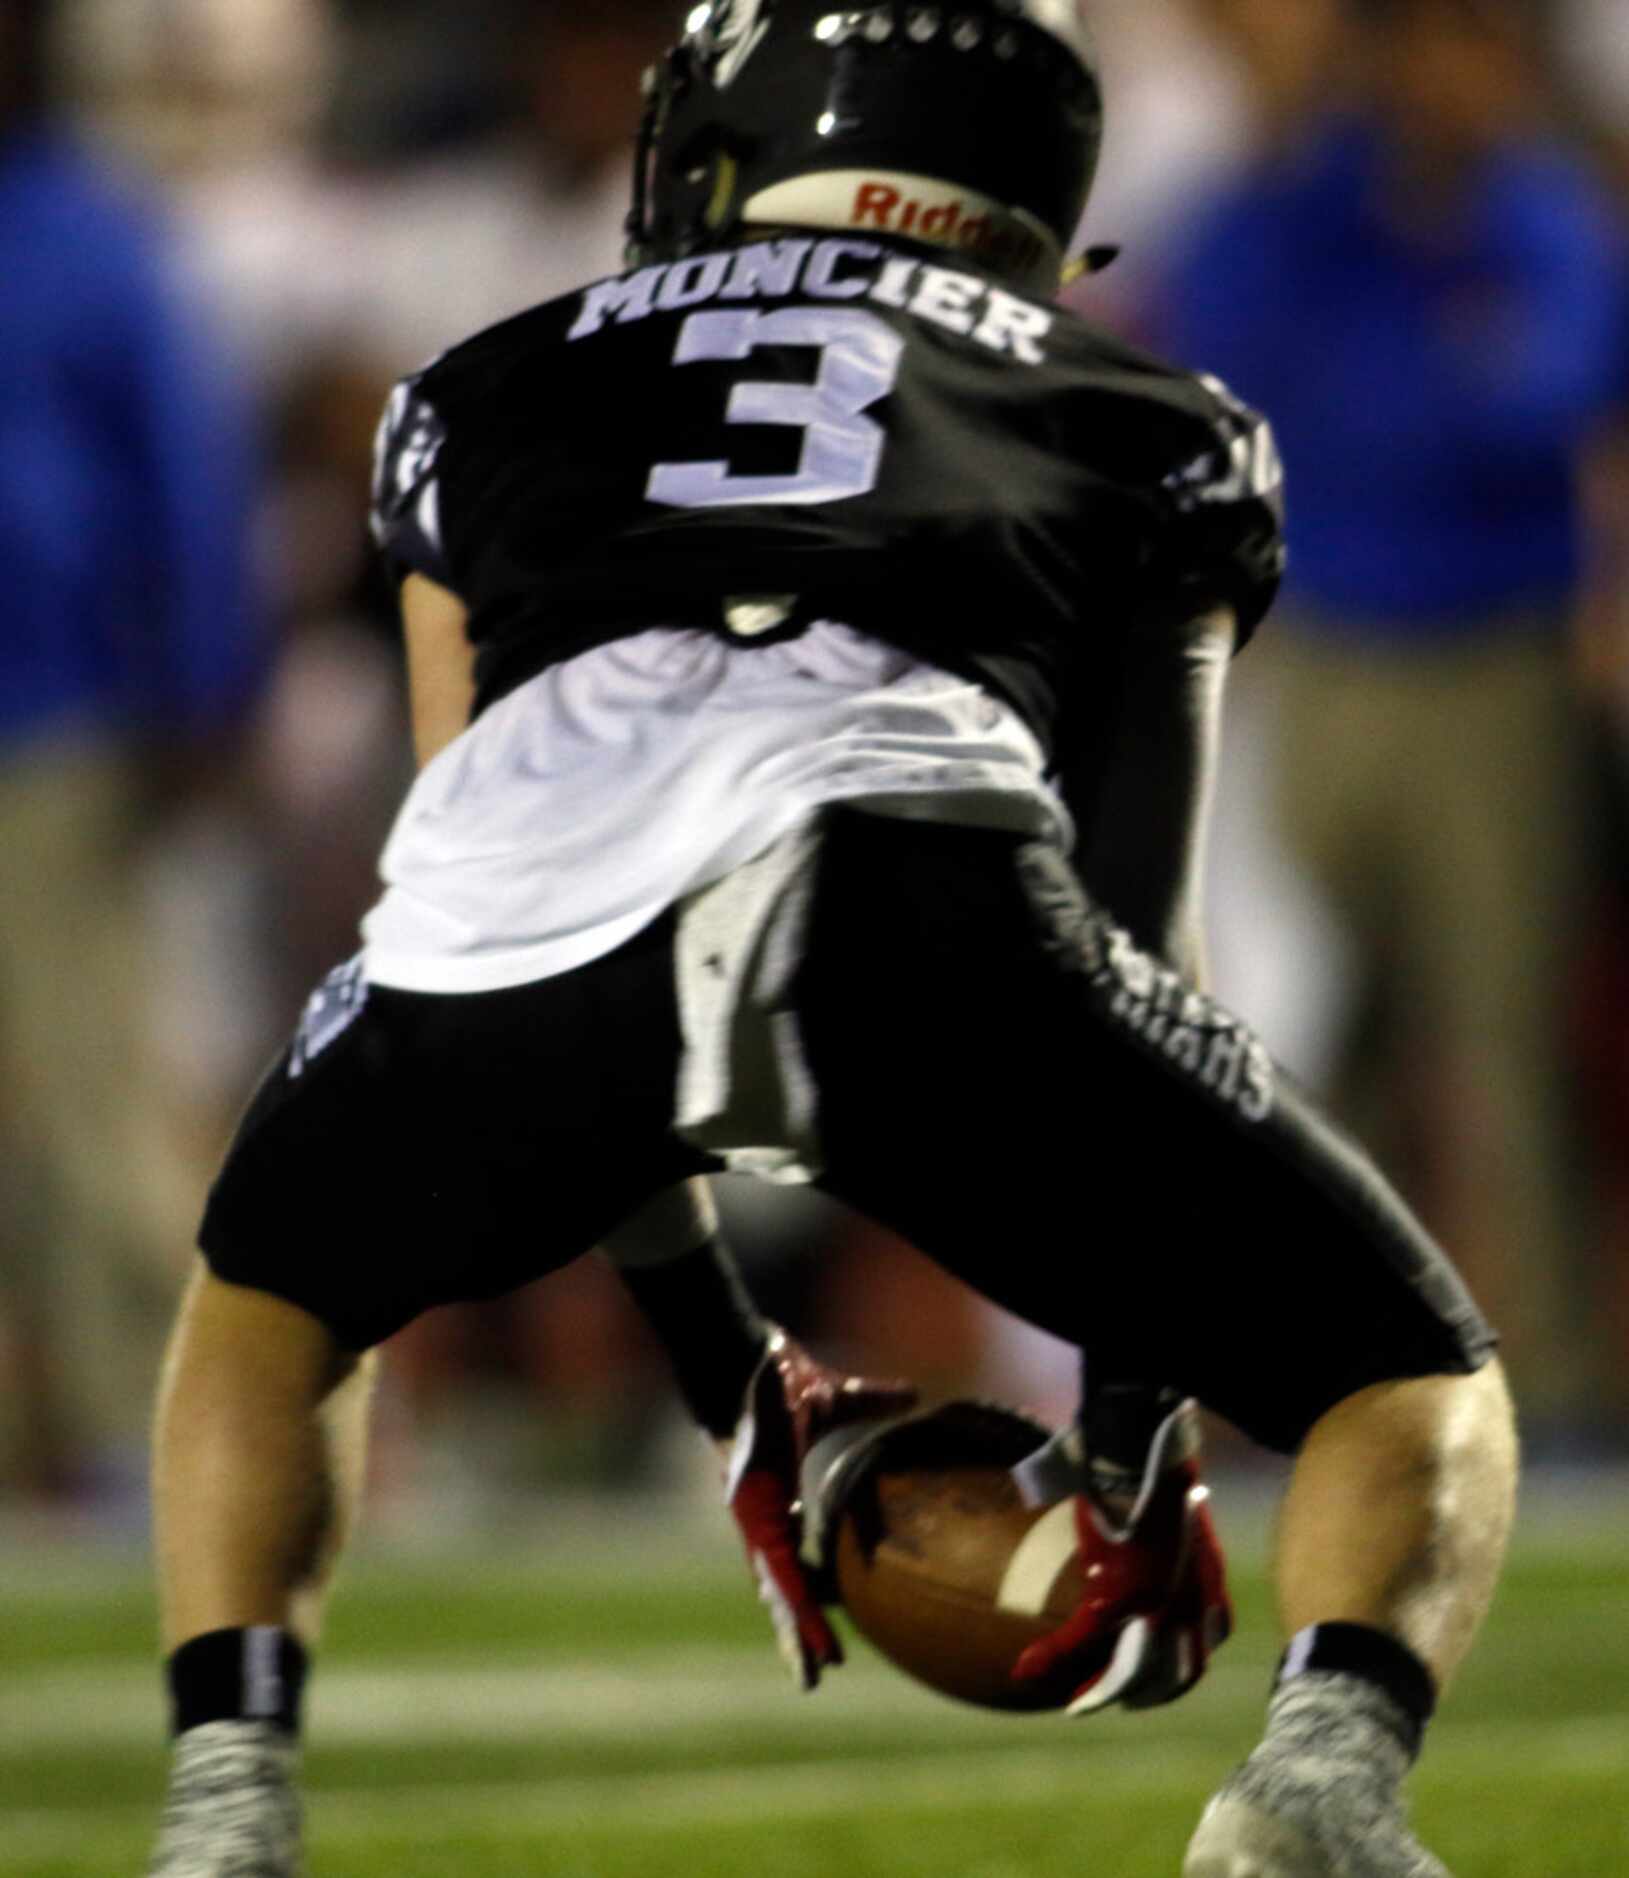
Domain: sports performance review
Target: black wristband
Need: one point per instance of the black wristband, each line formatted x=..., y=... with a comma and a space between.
x=1372, y=1656
x=1119, y=1420
x=253, y=1674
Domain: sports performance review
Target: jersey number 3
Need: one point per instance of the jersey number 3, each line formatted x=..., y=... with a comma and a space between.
x=842, y=447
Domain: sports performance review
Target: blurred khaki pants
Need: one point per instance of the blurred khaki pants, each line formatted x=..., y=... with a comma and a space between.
x=1432, y=797
x=84, y=1293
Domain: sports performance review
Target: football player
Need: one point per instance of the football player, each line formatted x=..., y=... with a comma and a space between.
x=816, y=642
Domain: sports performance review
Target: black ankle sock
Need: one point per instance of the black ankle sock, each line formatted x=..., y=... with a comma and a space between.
x=1371, y=1655
x=709, y=1327
x=257, y=1674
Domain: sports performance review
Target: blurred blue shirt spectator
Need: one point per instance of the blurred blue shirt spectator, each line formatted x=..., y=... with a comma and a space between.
x=1426, y=293
x=1431, y=388
x=124, y=469
x=130, y=639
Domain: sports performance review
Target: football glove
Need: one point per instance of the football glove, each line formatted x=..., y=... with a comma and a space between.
x=791, y=1402
x=1155, y=1604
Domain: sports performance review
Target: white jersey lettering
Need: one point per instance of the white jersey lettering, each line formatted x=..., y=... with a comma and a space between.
x=837, y=268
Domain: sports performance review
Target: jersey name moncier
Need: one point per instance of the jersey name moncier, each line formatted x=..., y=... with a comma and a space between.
x=831, y=270
x=806, y=426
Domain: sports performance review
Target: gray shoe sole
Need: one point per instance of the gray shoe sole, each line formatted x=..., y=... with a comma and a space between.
x=1235, y=1840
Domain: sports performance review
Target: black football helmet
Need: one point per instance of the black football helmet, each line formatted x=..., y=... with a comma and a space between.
x=975, y=123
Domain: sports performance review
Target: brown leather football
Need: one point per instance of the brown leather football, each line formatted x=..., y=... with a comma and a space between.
x=941, y=1565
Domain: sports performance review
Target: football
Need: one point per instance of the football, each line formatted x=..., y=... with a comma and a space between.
x=940, y=1564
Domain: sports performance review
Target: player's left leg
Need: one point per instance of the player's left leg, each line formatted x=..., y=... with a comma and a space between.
x=259, y=1448
x=258, y=1457
x=1397, y=1513
x=1390, y=1541
x=396, y=1158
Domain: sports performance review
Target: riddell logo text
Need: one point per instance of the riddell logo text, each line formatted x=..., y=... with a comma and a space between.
x=995, y=237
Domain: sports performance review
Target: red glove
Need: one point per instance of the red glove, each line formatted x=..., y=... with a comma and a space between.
x=1155, y=1605
x=791, y=1402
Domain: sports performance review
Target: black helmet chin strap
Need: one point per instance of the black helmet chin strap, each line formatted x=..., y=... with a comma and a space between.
x=636, y=226
x=663, y=83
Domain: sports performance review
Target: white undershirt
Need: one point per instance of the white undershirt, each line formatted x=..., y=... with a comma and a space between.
x=609, y=787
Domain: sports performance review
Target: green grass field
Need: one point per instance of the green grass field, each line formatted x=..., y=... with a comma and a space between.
x=568, y=1708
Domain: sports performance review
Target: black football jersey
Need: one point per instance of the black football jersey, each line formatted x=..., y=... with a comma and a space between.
x=839, y=428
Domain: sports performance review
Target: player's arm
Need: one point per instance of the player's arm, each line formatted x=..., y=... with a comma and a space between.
x=685, y=1283
x=760, y=1396
x=1142, y=829
x=440, y=664
x=1156, y=1604
x=416, y=520
x=748, y=1385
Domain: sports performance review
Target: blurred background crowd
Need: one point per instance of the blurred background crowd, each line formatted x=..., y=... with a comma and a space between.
x=226, y=226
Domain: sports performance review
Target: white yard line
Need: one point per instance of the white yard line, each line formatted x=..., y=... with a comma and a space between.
x=542, y=1699
x=657, y=1693
x=472, y=1698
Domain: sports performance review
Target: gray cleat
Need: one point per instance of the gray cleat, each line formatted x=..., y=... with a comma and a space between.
x=232, y=1810
x=1321, y=1797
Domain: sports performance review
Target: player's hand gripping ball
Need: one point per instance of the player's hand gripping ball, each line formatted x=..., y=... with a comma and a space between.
x=792, y=1403
x=947, y=1568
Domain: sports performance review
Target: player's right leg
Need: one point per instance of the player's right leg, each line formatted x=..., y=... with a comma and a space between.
x=258, y=1455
